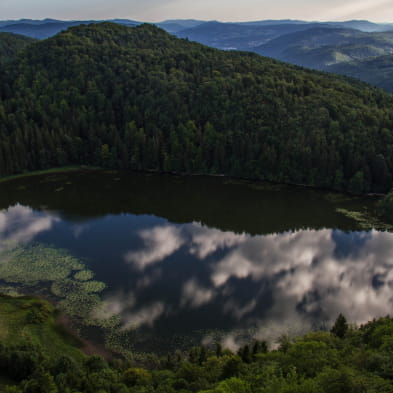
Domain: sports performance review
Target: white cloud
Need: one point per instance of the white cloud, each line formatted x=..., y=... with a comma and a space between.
x=20, y=224
x=145, y=316
x=207, y=241
x=195, y=295
x=159, y=243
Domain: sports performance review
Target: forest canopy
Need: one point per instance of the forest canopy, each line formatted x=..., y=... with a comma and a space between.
x=36, y=356
x=138, y=98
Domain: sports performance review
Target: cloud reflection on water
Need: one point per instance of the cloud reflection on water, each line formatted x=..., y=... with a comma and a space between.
x=160, y=242
x=310, y=274
x=271, y=284
x=20, y=224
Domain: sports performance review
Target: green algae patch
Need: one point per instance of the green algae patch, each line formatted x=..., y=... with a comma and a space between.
x=66, y=278
x=93, y=286
x=84, y=275
x=35, y=263
x=81, y=305
x=56, y=275
x=366, y=220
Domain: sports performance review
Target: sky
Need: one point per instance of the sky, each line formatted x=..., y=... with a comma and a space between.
x=223, y=10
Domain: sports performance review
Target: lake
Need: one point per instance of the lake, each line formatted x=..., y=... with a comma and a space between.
x=179, y=261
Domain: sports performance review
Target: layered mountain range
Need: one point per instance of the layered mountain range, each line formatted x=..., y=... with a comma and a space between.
x=354, y=48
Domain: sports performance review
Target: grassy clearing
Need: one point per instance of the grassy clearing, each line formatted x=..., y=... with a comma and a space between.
x=32, y=320
x=43, y=172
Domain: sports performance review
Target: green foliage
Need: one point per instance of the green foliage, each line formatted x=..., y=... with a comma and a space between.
x=319, y=362
x=385, y=207
x=11, y=44
x=232, y=385
x=137, y=98
x=137, y=376
x=340, y=327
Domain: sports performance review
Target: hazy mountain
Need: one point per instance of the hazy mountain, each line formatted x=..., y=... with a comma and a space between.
x=241, y=36
x=176, y=25
x=49, y=27
x=364, y=25
x=139, y=98
x=321, y=47
x=377, y=71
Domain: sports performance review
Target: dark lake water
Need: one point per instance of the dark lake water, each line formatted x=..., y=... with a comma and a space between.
x=207, y=257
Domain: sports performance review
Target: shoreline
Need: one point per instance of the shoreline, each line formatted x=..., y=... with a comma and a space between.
x=76, y=168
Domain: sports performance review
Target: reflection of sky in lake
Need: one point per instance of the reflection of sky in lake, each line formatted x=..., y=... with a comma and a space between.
x=183, y=277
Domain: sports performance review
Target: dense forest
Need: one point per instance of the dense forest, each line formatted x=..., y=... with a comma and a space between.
x=11, y=44
x=38, y=356
x=137, y=98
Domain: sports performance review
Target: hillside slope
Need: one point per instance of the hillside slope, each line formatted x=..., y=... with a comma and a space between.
x=138, y=98
x=321, y=47
x=347, y=359
x=11, y=44
x=377, y=71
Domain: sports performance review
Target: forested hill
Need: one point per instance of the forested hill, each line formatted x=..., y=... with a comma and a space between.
x=138, y=98
x=11, y=44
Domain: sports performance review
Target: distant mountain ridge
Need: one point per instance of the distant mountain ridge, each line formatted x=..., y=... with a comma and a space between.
x=47, y=27
x=321, y=47
x=316, y=45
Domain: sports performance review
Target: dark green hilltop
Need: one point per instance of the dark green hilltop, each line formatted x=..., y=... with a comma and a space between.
x=11, y=44
x=138, y=98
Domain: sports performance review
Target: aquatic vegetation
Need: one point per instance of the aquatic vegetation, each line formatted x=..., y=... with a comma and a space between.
x=9, y=290
x=366, y=220
x=93, y=286
x=35, y=263
x=80, y=304
x=70, y=281
x=84, y=275
x=33, y=267
x=338, y=197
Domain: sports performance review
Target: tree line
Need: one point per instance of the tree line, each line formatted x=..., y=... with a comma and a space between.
x=347, y=359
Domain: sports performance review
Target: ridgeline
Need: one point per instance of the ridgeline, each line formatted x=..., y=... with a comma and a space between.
x=138, y=98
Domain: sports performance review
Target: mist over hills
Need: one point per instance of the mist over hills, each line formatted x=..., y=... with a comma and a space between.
x=321, y=47
x=194, y=28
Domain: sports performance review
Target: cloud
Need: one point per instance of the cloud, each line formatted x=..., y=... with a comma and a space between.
x=114, y=305
x=268, y=285
x=20, y=224
x=145, y=316
x=195, y=295
x=350, y=9
x=232, y=307
x=159, y=243
x=310, y=281
x=206, y=242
